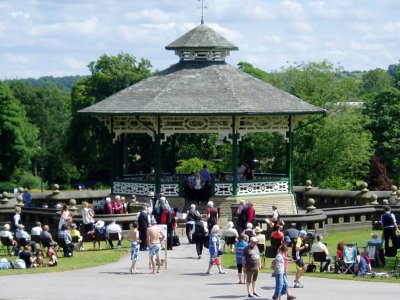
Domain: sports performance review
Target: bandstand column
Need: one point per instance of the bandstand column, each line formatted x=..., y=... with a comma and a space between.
x=234, y=156
x=289, y=155
x=157, y=158
x=116, y=155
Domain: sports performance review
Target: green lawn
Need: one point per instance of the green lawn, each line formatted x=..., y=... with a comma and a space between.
x=81, y=259
x=360, y=237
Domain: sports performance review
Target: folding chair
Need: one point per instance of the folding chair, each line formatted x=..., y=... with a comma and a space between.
x=112, y=236
x=374, y=253
x=349, y=258
x=321, y=258
x=6, y=243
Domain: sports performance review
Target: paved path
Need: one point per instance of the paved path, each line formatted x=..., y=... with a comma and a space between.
x=184, y=279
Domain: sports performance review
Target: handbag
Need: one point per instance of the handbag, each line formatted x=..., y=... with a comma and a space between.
x=175, y=241
x=311, y=268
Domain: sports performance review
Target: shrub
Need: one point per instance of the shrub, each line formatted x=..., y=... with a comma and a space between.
x=30, y=181
x=7, y=186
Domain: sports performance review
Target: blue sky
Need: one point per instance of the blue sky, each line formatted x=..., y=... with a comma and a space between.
x=61, y=37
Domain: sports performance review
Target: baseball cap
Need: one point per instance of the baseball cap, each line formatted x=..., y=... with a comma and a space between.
x=302, y=233
x=287, y=239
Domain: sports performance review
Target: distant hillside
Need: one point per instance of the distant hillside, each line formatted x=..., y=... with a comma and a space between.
x=66, y=81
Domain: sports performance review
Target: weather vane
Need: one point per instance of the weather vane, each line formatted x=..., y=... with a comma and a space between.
x=203, y=7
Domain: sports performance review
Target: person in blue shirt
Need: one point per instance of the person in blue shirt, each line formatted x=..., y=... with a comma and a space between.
x=239, y=247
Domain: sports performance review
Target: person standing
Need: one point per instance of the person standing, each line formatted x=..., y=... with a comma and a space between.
x=108, y=208
x=242, y=216
x=65, y=217
x=213, y=248
x=230, y=236
x=206, y=178
x=166, y=218
x=154, y=239
x=239, y=247
x=87, y=217
x=143, y=224
x=191, y=218
x=251, y=266
x=199, y=234
x=134, y=235
x=389, y=227
x=212, y=215
x=17, y=218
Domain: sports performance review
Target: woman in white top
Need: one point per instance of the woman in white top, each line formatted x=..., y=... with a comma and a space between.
x=87, y=217
x=65, y=217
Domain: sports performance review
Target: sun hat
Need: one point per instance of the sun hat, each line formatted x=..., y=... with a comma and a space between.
x=150, y=194
x=230, y=224
x=253, y=239
x=374, y=235
x=287, y=239
x=258, y=229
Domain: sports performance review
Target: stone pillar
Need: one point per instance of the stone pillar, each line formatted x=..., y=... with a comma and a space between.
x=365, y=198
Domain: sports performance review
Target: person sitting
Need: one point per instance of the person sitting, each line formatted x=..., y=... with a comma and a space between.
x=46, y=235
x=22, y=234
x=108, y=209
x=114, y=228
x=319, y=246
x=260, y=239
x=68, y=247
x=52, y=255
x=37, y=230
x=26, y=256
x=6, y=233
x=76, y=235
x=39, y=260
x=363, y=263
x=230, y=235
x=249, y=231
x=292, y=232
x=339, y=255
x=117, y=205
x=375, y=250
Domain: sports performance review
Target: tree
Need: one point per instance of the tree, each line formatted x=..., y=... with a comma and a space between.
x=17, y=136
x=374, y=82
x=384, y=112
x=48, y=108
x=378, y=179
x=89, y=141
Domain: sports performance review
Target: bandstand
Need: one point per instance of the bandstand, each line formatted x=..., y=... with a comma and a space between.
x=201, y=94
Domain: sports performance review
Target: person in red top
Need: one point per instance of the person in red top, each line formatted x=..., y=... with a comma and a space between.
x=339, y=255
x=117, y=205
x=277, y=234
x=251, y=213
x=166, y=218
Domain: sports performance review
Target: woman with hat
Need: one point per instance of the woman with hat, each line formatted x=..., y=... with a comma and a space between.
x=229, y=235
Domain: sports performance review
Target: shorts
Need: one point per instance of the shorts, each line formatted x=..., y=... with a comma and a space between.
x=251, y=275
x=134, y=251
x=299, y=264
x=240, y=268
x=154, y=250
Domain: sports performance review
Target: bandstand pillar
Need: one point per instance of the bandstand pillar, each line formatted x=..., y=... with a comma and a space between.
x=234, y=156
x=289, y=155
x=157, y=158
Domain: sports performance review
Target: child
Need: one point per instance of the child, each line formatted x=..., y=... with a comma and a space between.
x=239, y=246
x=39, y=262
x=134, y=247
x=53, y=261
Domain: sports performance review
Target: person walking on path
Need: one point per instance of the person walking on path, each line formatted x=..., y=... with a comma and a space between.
x=279, y=274
x=213, y=248
x=298, y=249
x=239, y=247
x=200, y=232
x=251, y=266
x=134, y=235
x=154, y=240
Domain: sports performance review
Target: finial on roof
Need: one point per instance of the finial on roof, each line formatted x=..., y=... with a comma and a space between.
x=203, y=7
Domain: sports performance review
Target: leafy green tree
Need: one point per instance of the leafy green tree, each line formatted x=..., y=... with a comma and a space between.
x=194, y=164
x=48, y=108
x=89, y=141
x=384, y=112
x=18, y=137
x=374, y=82
x=341, y=149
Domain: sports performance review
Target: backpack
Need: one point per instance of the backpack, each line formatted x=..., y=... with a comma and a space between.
x=19, y=264
x=4, y=264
